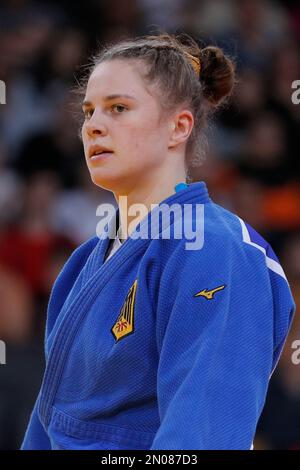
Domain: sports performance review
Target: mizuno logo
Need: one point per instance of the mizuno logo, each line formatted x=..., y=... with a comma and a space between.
x=209, y=294
x=124, y=324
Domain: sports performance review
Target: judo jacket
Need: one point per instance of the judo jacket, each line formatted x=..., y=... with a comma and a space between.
x=165, y=345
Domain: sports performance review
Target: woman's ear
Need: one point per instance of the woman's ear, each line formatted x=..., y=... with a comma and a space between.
x=181, y=127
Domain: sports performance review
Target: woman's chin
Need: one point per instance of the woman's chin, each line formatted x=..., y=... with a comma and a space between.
x=106, y=180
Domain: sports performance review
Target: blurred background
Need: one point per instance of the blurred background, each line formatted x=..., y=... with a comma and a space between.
x=48, y=203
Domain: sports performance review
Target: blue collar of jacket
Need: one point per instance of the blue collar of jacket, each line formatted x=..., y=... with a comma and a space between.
x=194, y=193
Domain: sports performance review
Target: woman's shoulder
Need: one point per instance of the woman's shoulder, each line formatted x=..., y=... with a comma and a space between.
x=219, y=237
x=76, y=261
x=210, y=227
x=83, y=250
x=239, y=233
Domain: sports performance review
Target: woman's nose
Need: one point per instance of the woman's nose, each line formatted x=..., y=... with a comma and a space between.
x=96, y=126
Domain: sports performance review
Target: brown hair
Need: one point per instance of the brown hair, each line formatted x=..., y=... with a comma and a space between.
x=171, y=68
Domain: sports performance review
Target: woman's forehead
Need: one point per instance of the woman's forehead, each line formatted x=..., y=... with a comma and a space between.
x=117, y=77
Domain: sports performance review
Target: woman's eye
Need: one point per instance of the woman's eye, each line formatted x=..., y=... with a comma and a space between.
x=115, y=106
x=119, y=107
x=88, y=113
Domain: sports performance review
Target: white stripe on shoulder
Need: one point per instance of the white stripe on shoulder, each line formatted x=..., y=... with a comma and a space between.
x=271, y=263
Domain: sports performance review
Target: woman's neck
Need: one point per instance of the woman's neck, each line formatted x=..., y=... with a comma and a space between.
x=136, y=203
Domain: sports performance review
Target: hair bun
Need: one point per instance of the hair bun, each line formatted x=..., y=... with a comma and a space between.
x=217, y=74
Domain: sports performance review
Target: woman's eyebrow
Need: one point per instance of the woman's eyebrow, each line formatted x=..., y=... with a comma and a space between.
x=111, y=97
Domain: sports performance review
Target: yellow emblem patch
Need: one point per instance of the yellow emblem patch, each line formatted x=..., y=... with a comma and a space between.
x=124, y=324
x=209, y=294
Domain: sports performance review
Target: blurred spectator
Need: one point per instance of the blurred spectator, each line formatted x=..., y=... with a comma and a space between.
x=16, y=319
x=157, y=14
x=74, y=211
x=10, y=190
x=26, y=245
x=57, y=149
x=285, y=69
x=264, y=154
x=279, y=424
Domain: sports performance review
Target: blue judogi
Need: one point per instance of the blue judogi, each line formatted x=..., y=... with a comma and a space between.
x=161, y=347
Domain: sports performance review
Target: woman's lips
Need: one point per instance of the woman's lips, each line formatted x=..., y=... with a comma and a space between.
x=100, y=156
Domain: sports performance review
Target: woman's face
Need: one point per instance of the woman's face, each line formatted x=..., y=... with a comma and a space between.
x=130, y=126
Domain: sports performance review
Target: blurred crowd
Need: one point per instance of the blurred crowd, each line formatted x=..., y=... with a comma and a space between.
x=48, y=203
